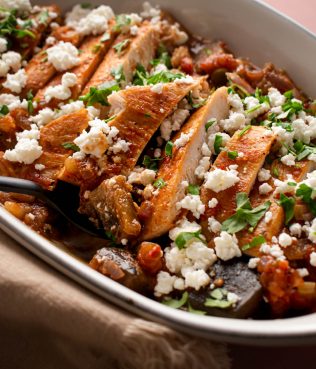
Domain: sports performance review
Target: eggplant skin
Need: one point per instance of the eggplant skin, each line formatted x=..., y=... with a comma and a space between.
x=239, y=279
x=121, y=266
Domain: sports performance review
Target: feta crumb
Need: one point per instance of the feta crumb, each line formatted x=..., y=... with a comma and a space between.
x=63, y=56
x=264, y=175
x=218, y=180
x=39, y=167
x=312, y=231
x=212, y=203
x=226, y=246
x=96, y=22
x=158, y=88
x=27, y=149
x=268, y=217
x=50, y=40
x=3, y=45
x=295, y=229
x=179, y=284
x=124, y=241
x=16, y=82
x=214, y=226
x=285, y=240
x=212, y=137
x=234, y=122
x=192, y=203
x=21, y=5
x=203, y=167
x=233, y=298
x=235, y=102
x=142, y=176
x=253, y=263
x=312, y=259
x=265, y=188
x=164, y=283
x=62, y=91
x=288, y=160
x=183, y=139
x=183, y=226
x=275, y=97
x=303, y=272
x=12, y=60
x=196, y=279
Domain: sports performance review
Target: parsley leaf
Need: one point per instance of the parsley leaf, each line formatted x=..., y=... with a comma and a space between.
x=121, y=21
x=287, y=204
x=43, y=17
x=209, y=124
x=151, y=163
x=168, y=149
x=176, y=304
x=162, y=58
x=184, y=237
x=29, y=98
x=217, y=144
x=245, y=215
x=142, y=78
x=307, y=194
x=100, y=94
x=193, y=189
x=4, y=110
x=70, y=146
x=120, y=46
x=256, y=241
x=232, y=154
x=244, y=130
x=159, y=183
x=218, y=299
x=118, y=74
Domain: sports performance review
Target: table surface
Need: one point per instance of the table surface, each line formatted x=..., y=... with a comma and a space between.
x=280, y=358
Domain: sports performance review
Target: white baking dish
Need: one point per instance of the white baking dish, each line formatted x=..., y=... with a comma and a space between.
x=251, y=29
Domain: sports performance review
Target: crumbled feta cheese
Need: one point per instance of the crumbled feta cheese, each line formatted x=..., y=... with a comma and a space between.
x=183, y=139
x=274, y=250
x=203, y=167
x=265, y=188
x=192, y=203
x=164, y=283
x=312, y=231
x=303, y=272
x=62, y=91
x=27, y=149
x=179, y=284
x=63, y=56
x=285, y=240
x=93, y=112
x=288, y=160
x=312, y=259
x=275, y=97
x=119, y=146
x=234, y=122
x=75, y=15
x=226, y=246
x=21, y=5
x=50, y=40
x=39, y=167
x=142, y=176
x=218, y=179
x=254, y=108
x=173, y=123
x=295, y=229
x=214, y=226
x=3, y=45
x=264, y=175
x=213, y=203
x=183, y=226
x=158, y=88
x=284, y=186
x=196, y=279
x=253, y=263
x=233, y=298
x=268, y=217
x=95, y=22
x=205, y=150
x=149, y=11
x=12, y=60
x=134, y=30
x=16, y=82
x=235, y=102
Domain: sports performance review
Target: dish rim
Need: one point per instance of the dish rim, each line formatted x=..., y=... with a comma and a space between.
x=238, y=331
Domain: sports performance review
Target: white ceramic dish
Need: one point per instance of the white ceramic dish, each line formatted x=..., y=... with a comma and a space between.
x=251, y=29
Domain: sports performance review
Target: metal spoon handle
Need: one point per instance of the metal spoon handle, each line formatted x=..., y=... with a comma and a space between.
x=9, y=184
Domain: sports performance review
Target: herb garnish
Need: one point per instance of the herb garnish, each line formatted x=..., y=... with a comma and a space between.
x=232, y=154
x=29, y=98
x=209, y=124
x=256, y=241
x=168, y=149
x=122, y=20
x=70, y=146
x=4, y=110
x=307, y=194
x=159, y=183
x=184, y=237
x=193, y=189
x=100, y=94
x=151, y=163
x=162, y=57
x=218, y=144
x=245, y=215
x=287, y=204
x=120, y=46
x=244, y=130
x=218, y=299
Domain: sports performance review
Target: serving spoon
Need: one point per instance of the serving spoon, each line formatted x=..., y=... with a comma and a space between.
x=64, y=199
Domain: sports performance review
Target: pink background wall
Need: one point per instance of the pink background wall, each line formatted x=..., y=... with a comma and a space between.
x=303, y=11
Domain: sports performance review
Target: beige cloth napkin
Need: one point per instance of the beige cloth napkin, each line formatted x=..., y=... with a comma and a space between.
x=49, y=322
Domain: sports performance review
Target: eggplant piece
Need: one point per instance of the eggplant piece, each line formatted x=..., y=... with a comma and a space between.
x=120, y=266
x=239, y=279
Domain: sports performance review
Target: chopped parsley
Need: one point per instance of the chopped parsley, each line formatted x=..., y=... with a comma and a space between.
x=120, y=46
x=307, y=194
x=122, y=20
x=287, y=204
x=9, y=24
x=256, y=241
x=209, y=124
x=218, y=144
x=4, y=110
x=106, y=36
x=302, y=150
x=159, y=183
x=193, y=189
x=245, y=215
x=151, y=163
x=290, y=107
x=43, y=17
x=176, y=304
x=100, y=94
x=118, y=74
x=162, y=57
x=142, y=78
x=244, y=130
x=218, y=299
x=184, y=237
x=70, y=146
x=29, y=98
x=275, y=172
x=168, y=149
x=232, y=154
